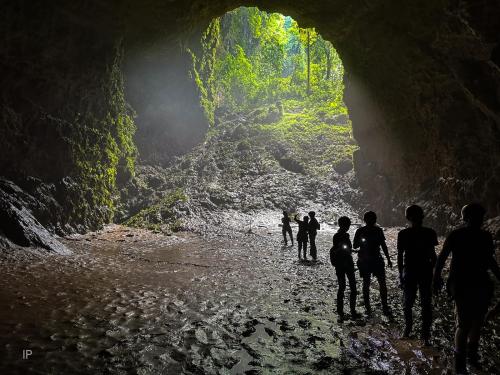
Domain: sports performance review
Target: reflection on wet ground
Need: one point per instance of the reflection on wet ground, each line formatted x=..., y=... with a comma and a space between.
x=132, y=301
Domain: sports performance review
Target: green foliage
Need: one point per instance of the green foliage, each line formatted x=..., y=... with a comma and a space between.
x=251, y=58
x=102, y=146
x=286, y=80
x=203, y=68
x=161, y=216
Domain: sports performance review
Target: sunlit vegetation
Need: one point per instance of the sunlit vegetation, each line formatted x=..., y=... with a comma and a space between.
x=257, y=61
x=312, y=138
x=251, y=58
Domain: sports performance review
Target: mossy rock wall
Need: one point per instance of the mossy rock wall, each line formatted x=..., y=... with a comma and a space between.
x=422, y=82
x=63, y=107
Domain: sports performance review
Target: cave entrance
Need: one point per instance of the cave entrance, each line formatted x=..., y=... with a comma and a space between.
x=263, y=71
x=279, y=135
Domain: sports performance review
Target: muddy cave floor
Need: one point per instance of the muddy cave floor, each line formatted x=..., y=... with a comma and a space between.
x=133, y=301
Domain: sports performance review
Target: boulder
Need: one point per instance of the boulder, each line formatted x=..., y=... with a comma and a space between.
x=343, y=166
x=18, y=224
x=291, y=165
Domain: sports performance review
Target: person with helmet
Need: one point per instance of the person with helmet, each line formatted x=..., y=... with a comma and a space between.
x=472, y=255
x=285, y=220
x=313, y=232
x=370, y=239
x=302, y=234
x=341, y=259
x=416, y=260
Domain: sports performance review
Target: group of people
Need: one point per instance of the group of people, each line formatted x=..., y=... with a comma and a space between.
x=420, y=271
x=308, y=230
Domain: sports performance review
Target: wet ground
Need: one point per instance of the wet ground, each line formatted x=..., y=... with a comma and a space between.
x=133, y=301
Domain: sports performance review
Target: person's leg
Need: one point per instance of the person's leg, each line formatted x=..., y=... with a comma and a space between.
x=312, y=238
x=291, y=235
x=366, y=292
x=353, y=293
x=304, y=247
x=382, y=287
x=299, y=244
x=481, y=308
x=340, y=293
x=425, y=290
x=284, y=236
x=461, y=334
x=409, y=295
x=473, y=344
x=460, y=350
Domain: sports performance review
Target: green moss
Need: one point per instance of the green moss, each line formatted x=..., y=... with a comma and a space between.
x=316, y=144
x=102, y=146
x=161, y=216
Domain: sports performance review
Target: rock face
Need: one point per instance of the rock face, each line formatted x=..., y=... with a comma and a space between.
x=422, y=84
x=18, y=224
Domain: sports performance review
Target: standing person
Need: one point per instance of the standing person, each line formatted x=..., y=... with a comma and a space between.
x=313, y=231
x=341, y=259
x=302, y=234
x=416, y=260
x=369, y=239
x=285, y=220
x=472, y=255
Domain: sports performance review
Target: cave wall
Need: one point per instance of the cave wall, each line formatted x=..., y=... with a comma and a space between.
x=66, y=127
x=422, y=87
x=427, y=118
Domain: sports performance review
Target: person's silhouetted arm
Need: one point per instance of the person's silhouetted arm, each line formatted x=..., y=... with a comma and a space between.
x=400, y=257
x=433, y=256
x=386, y=253
x=332, y=256
x=493, y=312
x=494, y=268
x=383, y=245
x=492, y=262
x=356, y=240
x=440, y=262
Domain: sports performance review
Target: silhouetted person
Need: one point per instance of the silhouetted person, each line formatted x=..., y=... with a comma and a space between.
x=472, y=255
x=416, y=260
x=302, y=234
x=285, y=220
x=313, y=231
x=341, y=259
x=369, y=239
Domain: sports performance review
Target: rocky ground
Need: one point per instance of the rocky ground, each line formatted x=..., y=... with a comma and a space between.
x=134, y=301
x=247, y=167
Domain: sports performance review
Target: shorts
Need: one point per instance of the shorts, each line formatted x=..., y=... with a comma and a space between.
x=302, y=237
x=374, y=267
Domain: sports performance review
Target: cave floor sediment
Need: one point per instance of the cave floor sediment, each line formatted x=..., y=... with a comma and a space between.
x=134, y=301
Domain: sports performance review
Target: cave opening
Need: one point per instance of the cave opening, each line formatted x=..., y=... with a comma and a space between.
x=272, y=94
x=264, y=67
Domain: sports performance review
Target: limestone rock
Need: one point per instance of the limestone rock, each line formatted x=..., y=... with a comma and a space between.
x=19, y=225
